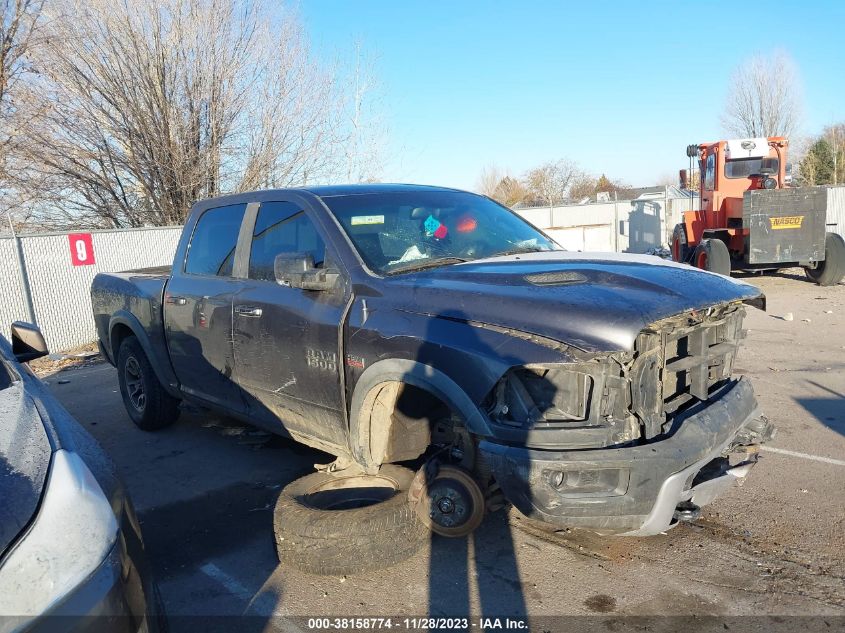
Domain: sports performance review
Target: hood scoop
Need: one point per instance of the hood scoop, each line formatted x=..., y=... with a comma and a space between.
x=555, y=278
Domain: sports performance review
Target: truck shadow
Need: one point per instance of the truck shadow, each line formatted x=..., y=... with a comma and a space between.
x=486, y=559
x=829, y=411
x=644, y=227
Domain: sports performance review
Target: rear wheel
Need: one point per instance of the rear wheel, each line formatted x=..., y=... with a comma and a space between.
x=831, y=271
x=680, y=248
x=713, y=255
x=148, y=404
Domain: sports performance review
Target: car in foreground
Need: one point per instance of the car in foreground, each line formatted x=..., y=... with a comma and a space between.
x=71, y=553
x=419, y=325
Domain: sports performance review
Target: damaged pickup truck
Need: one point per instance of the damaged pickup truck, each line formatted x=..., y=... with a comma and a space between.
x=435, y=328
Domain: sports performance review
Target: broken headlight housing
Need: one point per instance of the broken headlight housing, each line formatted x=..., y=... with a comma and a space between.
x=590, y=400
x=621, y=397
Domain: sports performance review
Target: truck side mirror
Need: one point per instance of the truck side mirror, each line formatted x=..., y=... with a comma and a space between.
x=297, y=270
x=27, y=342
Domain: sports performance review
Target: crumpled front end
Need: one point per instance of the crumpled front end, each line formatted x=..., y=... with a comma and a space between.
x=632, y=442
x=638, y=489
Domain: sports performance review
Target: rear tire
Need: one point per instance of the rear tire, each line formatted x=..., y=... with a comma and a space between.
x=317, y=534
x=149, y=406
x=680, y=247
x=831, y=271
x=713, y=255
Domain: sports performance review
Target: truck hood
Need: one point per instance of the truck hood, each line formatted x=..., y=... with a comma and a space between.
x=595, y=302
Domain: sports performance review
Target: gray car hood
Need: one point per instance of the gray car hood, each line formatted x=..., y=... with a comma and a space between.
x=596, y=302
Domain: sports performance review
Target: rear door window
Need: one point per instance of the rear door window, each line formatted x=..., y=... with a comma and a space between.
x=212, y=248
x=282, y=227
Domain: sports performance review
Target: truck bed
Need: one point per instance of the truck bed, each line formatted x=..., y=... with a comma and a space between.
x=133, y=296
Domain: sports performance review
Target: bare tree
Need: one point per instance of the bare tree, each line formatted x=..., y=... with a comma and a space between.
x=364, y=146
x=500, y=185
x=510, y=191
x=147, y=106
x=18, y=36
x=582, y=187
x=668, y=179
x=764, y=97
x=822, y=161
x=835, y=135
x=488, y=180
x=549, y=183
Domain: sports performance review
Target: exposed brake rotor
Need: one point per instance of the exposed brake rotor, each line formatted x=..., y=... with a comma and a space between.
x=450, y=502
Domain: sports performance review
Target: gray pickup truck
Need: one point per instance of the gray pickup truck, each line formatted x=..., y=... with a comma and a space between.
x=390, y=324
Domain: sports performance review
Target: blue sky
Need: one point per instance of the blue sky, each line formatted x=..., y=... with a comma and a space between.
x=619, y=87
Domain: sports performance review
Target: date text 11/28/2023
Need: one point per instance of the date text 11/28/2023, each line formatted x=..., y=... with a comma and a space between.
x=416, y=624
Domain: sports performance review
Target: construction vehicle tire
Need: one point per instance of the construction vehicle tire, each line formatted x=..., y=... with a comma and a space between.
x=712, y=254
x=680, y=247
x=831, y=271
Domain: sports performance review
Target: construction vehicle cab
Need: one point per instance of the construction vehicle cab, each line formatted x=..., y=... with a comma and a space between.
x=751, y=219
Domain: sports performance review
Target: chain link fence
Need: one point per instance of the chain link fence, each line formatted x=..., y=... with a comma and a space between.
x=61, y=291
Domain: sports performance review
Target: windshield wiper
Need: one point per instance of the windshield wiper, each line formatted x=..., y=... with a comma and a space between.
x=422, y=264
x=522, y=249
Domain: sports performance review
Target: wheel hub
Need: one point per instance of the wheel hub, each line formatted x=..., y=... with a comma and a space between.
x=134, y=380
x=452, y=504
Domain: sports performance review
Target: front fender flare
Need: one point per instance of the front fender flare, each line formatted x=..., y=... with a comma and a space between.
x=419, y=375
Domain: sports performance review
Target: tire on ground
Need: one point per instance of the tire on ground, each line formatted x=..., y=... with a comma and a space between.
x=314, y=533
x=831, y=271
x=680, y=247
x=713, y=255
x=160, y=408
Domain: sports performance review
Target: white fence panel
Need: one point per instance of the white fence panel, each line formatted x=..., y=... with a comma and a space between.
x=633, y=226
x=12, y=297
x=597, y=238
x=60, y=291
x=836, y=210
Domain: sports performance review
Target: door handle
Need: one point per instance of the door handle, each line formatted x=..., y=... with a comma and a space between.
x=176, y=301
x=251, y=311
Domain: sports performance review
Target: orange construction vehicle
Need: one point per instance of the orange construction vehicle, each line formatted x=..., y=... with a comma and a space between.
x=750, y=219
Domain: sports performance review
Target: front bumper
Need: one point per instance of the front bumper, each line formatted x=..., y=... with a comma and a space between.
x=639, y=487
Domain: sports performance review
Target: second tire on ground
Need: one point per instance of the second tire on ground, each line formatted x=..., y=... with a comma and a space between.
x=335, y=524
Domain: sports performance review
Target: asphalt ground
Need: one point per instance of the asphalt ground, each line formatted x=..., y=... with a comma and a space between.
x=205, y=488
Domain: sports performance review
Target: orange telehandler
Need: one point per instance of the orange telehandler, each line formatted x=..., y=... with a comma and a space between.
x=749, y=219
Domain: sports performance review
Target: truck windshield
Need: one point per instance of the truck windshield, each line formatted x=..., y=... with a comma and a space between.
x=405, y=231
x=743, y=167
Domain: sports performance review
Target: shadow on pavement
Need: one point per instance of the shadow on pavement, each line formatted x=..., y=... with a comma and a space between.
x=829, y=411
x=487, y=557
